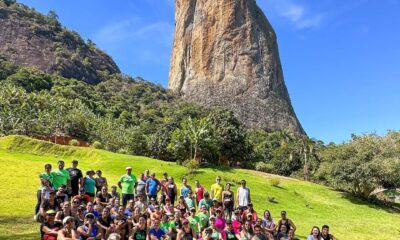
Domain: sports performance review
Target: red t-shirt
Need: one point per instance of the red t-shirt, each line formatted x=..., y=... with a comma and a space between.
x=199, y=193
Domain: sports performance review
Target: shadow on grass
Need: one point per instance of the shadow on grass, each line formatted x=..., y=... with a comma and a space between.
x=374, y=205
x=18, y=228
x=216, y=168
x=27, y=236
x=280, y=187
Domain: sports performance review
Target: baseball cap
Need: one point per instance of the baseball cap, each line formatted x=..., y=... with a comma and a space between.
x=51, y=211
x=128, y=168
x=67, y=219
x=89, y=215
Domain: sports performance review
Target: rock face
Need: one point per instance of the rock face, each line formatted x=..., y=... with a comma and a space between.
x=31, y=39
x=225, y=54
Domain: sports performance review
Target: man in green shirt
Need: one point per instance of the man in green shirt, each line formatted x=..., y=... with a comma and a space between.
x=127, y=183
x=190, y=201
x=206, y=201
x=203, y=217
x=61, y=177
x=194, y=221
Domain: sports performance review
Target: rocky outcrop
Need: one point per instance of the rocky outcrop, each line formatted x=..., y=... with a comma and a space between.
x=31, y=39
x=225, y=54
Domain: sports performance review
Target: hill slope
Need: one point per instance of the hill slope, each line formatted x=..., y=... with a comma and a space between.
x=308, y=204
x=32, y=39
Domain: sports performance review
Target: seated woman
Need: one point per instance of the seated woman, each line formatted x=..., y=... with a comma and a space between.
x=89, y=229
x=139, y=232
x=68, y=232
x=105, y=223
x=215, y=233
x=315, y=234
x=247, y=231
x=187, y=232
x=65, y=212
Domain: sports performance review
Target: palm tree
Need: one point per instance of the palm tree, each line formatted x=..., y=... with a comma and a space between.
x=306, y=148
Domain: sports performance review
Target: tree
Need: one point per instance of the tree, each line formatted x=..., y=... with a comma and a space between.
x=31, y=79
x=52, y=19
x=362, y=165
x=197, y=133
x=230, y=135
x=307, y=149
x=9, y=2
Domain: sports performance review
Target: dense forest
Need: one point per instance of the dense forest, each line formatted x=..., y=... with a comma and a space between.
x=133, y=116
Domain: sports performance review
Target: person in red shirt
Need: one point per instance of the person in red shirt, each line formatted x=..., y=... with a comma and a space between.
x=199, y=191
x=250, y=211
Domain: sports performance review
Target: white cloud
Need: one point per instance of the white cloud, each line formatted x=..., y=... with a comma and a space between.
x=297, y=14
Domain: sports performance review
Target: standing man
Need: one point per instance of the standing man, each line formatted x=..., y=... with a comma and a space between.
x=76, y=178
x=243, y=196
x=127, y=183
x=153, y=186
x=216, y=190
x=61, y=177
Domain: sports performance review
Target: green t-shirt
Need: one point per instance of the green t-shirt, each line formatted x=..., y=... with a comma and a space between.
x=128, y=183
x=189, y=202
x=206, y=203
x=193, y=222
x=165, y=226
x=46, y=176
x=60, y=177
x=203, y=219
x=172, y=224
x=215, y=235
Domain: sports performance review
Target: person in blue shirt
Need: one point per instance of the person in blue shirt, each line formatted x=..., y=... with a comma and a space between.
x=185, y=188
x=156, y=232
x=89, y=229
x=153, y=186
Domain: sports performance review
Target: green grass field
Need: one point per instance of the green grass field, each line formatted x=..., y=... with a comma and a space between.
x=308, y=204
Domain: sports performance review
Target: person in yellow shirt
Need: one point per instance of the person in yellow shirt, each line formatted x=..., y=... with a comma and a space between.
x=216, y=190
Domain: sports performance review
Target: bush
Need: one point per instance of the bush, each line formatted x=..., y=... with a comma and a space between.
x=264, y=167
x=271, y=199
x=97, y=145
x=122, y=151
x=74, y=142
x=192, y=165
x=274, y=182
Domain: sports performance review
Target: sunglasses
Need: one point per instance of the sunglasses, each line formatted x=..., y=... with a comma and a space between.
x=52, y=214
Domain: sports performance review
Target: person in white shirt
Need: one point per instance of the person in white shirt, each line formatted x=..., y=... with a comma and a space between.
x=243, y=195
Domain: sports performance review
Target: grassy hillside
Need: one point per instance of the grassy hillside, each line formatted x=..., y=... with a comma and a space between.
x=308, y=204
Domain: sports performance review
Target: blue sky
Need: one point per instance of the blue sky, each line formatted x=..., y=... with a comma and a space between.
x=341, y=58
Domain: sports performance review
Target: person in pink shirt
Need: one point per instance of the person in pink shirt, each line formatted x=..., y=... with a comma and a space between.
x=220, y=222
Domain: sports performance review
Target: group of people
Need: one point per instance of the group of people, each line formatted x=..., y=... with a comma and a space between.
x=73, y=206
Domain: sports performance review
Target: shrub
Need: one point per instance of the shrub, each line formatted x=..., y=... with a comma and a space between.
x=192, y=166
x=74, y=142
x=271, y=199
x=97, y=145
x=122, y=151
x=264, y=167
x=274, y=182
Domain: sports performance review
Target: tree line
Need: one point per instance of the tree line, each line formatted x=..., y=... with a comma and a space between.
x=132, y=116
